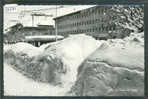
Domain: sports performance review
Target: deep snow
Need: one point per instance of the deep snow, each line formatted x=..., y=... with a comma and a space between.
x=72, y=51
x=16, y=84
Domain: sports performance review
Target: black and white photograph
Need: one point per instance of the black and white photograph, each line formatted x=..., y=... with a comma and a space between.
x=73, y=50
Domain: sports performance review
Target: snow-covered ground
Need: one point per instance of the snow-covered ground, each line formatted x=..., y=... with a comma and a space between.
x=72, y=51
x=23, y=48
x=18, y=85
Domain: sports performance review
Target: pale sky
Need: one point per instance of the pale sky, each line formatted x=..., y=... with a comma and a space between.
x=15, y=13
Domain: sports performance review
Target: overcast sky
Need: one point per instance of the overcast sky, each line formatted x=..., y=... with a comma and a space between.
x=22, y=13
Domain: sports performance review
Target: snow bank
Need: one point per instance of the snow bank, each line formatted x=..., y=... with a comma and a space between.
x=116, y=68
x=112, y=71
x=16, y=84
x=60, y=59
x=24, y=48
x=21, y=57
x=130, y=56
x=135, y=39
x=43, y=47
x=116, y=51
x=73, y=51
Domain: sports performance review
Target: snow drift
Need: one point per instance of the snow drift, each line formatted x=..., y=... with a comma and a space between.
x=16, y=84
x=52, y=69
x=23, y=48
x=54, y=63
x=116, y=68
x=68, y=54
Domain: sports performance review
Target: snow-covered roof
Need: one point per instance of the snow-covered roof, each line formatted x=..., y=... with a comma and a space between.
x=72, y=10
x=43, y=37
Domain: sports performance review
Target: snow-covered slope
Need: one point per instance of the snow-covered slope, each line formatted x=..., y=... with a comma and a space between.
x=116, y=68
x=68, y=54
x=16, y=84
x=59, y=62
x=72, y=51
x=23, y=48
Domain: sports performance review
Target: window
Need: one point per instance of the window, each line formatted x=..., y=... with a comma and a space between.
x=102, y=10
x=79, y=31
x=82, y=31
x=109, y=27
x=89, y=22
x=93, y=21
x=80, y=23
x=114, y=27
x=100, y=28
x=94, y=29
x=89, y=30
x=106, y=28
x=99, y=11
x=85, y=23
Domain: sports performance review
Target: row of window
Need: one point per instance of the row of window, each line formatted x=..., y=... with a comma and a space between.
x=99, y=29
x=84, y=14
x=88, y=22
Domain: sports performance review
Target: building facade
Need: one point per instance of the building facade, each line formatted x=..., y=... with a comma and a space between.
x=93, y=21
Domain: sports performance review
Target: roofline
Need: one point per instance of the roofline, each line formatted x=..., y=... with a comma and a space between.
x=73, y=13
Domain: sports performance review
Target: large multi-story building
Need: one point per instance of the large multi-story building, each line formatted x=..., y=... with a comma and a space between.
x=93, y=21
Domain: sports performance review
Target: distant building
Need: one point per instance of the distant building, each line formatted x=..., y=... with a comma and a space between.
x=39, y=30
x=17, y=32
x=92, y=21
x=14, y=28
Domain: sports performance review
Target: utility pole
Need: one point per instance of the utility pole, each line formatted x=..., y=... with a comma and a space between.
x=56, y=25
x=32, y=20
